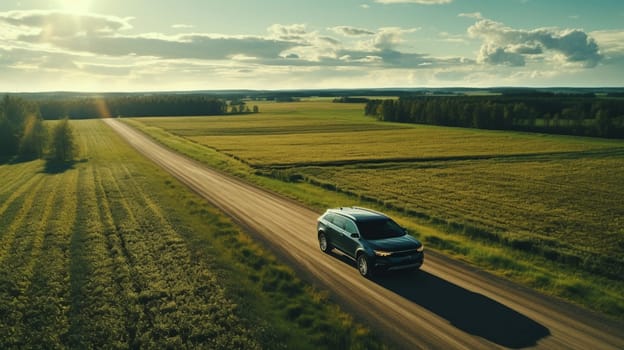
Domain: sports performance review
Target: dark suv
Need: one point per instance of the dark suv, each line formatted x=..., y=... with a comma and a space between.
x=370, y=238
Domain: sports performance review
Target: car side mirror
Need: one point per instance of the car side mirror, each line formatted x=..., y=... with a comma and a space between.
x=355, y=235
x=404, y=229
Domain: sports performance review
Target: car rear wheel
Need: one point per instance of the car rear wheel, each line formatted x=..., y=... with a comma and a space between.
x=324, y=243
x=364, y=266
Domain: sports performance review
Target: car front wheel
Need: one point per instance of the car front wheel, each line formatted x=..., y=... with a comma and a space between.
x=363, y=266
x=324, y=243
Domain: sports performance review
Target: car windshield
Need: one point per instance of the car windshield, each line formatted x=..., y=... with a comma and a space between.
x=379, y=229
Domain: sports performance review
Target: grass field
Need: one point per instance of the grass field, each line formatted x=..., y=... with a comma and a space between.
x=113, y=253
x=547, y=200
x=323, y=132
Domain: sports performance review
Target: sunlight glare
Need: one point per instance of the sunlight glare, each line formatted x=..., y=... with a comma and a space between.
x=78, y=6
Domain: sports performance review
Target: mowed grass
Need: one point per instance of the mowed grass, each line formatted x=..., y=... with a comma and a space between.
x=544, y=210
x=113, y=253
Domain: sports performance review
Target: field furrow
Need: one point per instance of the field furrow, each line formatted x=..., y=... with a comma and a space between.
x=184, y=290
x=20, y=210
x=47, y=318
x=9, y=179
x=18, y=186
x=98, y=296
x=123, y=272
x=20, y=260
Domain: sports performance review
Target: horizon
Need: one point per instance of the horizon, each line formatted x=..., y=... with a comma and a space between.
x=93, y=46
x=330, y=89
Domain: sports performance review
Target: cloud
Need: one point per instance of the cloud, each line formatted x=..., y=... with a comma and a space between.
x=90, y=47
x=475, y=15
x=182, y=26
x=350, y=31
x=293, y=32
x=495, y=55
x=508, y=46
x=389, y=38
x=611, y=42
x=420, y=2
x=104, y=35
x=54, y=24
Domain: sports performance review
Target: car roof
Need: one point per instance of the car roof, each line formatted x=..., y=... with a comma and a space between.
x=358, y=214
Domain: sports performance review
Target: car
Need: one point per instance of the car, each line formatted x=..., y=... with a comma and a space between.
x=372, y=239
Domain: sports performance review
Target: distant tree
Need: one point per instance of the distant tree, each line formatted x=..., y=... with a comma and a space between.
x=63, y=144
x=562, y=114
x=255, y=109
x=14, y=112
x=6, y=136
x=34, y=138
x=603, y=123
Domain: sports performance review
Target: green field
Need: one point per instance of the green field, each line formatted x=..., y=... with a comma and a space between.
x=111, y=252
x=547, y=199
x=322, y=132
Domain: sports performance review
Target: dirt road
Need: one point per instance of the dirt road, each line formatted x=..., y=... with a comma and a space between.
x=447, y=305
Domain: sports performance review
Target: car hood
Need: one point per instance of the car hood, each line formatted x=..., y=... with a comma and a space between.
x=394, y=244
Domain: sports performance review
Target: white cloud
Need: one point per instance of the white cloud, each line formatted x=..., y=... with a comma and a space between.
x=475, y=15
x=182, y=26
x=420, y=2
x=64, y=24
x=611, y=42
x=508, y=46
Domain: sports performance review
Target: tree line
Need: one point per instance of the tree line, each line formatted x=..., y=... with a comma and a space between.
x=138, y=106
x=571, y=115
x=23, y=133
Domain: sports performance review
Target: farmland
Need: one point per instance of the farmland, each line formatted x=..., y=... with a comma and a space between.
x=311, y=132
x=109, y=252
x=547, y=201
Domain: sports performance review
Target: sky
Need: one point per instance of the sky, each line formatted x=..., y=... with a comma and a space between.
x=142, y=45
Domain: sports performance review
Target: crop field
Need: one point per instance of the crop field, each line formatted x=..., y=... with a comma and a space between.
x=568, y=208
x=112, y=253
x=555, y=197
x=312, y=132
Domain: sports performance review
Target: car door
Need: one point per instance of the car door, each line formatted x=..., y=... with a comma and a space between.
x=332, y=230
x=339, y=233
x=351, y=243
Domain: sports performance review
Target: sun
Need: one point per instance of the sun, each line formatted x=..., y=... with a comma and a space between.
x=78, y=6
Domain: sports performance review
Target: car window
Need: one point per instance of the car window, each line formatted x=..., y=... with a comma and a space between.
x=380, y=229
x=350, y=226
x=331, y=218
x=339, y=221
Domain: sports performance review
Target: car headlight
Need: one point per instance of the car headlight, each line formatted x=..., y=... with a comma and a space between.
x=421, y=248
x=382, y=253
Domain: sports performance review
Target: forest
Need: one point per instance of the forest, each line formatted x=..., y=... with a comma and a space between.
x=581, y=115
x=134, y=106
x=23, y=133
